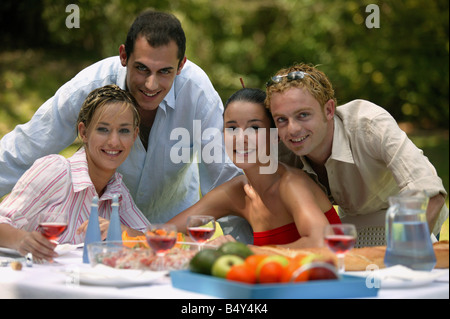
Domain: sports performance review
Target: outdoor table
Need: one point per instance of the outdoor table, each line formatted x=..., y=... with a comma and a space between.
x=52, y=281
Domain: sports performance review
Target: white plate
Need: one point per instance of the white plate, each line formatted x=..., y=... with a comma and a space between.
x=63, y=249
x=102, y=275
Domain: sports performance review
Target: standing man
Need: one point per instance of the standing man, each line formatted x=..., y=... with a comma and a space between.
x=172, y=93
x=356, y=151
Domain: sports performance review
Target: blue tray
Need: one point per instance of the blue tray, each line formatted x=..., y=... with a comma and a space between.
x=345, y=287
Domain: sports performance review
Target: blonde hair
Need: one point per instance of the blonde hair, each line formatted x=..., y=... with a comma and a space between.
x=316, y=82
x=106, y=95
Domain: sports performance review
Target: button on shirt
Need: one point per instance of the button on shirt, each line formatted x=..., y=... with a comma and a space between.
x=188, y=122
x=372, y=159
x=55, y=184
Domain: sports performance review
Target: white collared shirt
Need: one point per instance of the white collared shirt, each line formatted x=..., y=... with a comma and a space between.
x=371, y=160
x=55, y=184
x=160, y=188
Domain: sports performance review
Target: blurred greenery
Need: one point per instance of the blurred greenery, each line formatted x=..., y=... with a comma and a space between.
x=403, y=65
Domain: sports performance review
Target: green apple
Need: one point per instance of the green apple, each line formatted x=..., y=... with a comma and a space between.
x=276, y=258
x=224, y=263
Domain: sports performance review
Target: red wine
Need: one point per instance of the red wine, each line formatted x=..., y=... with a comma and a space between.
x=200, y=234
x=52, y=231
x=340, y=244
x=161, y=244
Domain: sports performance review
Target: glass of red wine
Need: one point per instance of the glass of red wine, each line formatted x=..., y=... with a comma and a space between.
x=201, y=228
x=340, y=238
x=161, y=238
x=53, y=224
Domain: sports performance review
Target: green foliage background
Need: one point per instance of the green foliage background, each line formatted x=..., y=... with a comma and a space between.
x=402, y=66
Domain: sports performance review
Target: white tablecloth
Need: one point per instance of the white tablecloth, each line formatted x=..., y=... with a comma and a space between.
x=52, y=281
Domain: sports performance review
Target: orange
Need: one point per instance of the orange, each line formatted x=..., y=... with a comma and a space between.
x=242, y=273
x=294, y=264
x=289, y=270
x=180, y=238
x=253, y=261
x=129, y=241
x=270, y=272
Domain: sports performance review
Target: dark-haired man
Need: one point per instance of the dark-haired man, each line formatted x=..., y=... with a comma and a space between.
x=172, y=93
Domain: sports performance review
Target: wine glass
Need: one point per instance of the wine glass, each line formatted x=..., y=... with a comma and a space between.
x=340, y=238
x=201, y=228
x=53, y=224
x=161, y=238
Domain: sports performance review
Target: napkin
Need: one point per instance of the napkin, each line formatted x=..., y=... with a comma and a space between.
x=400, y=272
x=114, y=231
x=398, y=276
x=93, y=230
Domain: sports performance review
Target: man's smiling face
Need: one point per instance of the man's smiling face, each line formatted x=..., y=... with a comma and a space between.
x=151, y=72
x=304, y=126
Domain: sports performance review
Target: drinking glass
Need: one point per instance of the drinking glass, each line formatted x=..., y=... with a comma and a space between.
x=340, y=238
x=201, y=228
x=53, y=224
x=161, y=238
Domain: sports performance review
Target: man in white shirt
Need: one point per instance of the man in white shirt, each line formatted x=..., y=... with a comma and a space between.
x=172, y=93
x=356, y=151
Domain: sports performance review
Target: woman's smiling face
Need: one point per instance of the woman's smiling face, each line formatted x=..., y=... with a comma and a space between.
x=110, y=136
x=242, y=121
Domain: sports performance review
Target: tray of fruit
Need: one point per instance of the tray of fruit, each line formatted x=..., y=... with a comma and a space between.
x=234, y=271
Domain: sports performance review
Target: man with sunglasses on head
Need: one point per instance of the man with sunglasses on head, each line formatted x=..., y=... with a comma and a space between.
x=172, y=92
x=356, y=152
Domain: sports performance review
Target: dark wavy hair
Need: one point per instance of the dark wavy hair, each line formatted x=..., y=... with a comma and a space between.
x=159, y=28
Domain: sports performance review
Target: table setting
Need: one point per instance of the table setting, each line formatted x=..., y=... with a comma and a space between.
x=161, y=266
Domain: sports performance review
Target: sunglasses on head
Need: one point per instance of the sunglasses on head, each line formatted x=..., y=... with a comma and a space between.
x=296, y=75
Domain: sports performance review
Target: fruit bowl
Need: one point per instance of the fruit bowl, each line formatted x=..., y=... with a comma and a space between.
x=137, y=255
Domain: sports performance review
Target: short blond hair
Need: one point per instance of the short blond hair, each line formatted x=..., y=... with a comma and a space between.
x=316, y=82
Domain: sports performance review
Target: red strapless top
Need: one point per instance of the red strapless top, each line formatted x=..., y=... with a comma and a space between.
x=288, y=233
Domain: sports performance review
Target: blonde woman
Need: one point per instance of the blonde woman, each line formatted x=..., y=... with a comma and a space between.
x=108, y=124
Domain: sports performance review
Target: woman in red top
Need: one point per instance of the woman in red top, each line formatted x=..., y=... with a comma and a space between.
x=283, y=205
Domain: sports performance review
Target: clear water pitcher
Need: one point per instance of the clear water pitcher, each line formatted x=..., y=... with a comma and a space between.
x=407, y=234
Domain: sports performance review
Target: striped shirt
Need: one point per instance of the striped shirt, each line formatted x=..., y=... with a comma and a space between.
x=55, y=184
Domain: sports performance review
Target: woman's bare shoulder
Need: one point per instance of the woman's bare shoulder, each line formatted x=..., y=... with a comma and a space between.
x=291, y=174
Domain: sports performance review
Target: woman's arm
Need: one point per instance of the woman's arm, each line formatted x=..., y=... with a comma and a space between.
x=300, y=201
x=41, y=186
x=27, y=242
x=222, y=201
